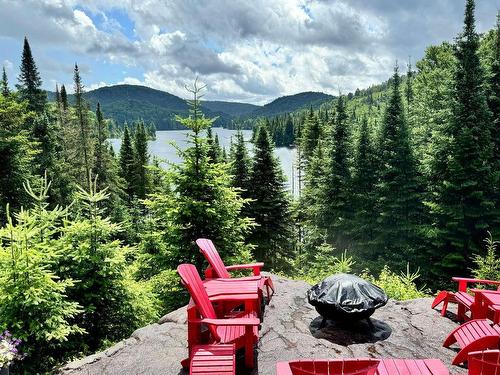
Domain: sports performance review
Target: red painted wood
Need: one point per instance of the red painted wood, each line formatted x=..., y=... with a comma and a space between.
x=219, y=270
x=363, y=366
x=212, y=360
x=484, y=362
x=241, y=330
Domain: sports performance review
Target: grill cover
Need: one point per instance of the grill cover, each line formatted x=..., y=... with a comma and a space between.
x=346, y=297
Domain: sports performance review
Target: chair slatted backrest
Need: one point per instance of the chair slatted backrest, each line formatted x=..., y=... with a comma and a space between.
x=212, y=256
x=484, y=363
x=192, y=281
x=335, y=367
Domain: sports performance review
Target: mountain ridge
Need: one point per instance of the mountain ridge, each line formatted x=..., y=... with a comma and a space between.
x=129, y=103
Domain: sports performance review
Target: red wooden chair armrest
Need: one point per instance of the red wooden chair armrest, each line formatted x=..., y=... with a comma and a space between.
x=463, y=281
x=229, y=322
x=255, y=267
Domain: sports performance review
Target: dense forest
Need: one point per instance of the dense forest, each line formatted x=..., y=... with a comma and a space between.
x=399, y=183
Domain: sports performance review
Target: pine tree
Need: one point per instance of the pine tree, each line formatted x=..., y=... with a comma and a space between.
x=463, y=205
x=127, y=163
x=311, y=133
x=288, y=133
x=270, y=205
x=397, y=188
x=30, y=83
x=85, y=135
x=4, y=84
x=141, y=160
x=214, y=149
x=337, y=192
x=64, y=98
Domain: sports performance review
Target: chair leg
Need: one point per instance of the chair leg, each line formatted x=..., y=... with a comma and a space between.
x=445, y=307
x=249, y=340
x=442, y=296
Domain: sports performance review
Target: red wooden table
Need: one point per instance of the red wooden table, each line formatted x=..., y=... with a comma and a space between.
x=485, y=300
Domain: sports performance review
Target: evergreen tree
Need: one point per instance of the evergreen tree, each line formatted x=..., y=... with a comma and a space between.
x=214, y=149
x=494, y=105
x=198, y=201
x=84, y=145
x=30, y=83
x=64, y=98
x=337, y=192
x=240, y=165
x=270, y=205
x=127, y=163
x=463, y=203
x=100, y=147
x=4, y=84
x=409, y=87
x=311, y=132
x=363, y=183
x=288, y=133
x=141, y=160
x=17, y=152
x=397, y=188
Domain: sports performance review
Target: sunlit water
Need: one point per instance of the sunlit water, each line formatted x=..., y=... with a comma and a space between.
x=164, y=149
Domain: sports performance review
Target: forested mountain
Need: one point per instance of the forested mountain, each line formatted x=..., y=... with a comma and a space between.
x=291, y=103
x=129, y=103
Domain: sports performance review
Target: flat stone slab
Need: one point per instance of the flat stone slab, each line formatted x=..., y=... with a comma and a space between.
x=291, y=330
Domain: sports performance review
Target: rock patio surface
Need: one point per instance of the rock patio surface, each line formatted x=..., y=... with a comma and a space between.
x=290, y=330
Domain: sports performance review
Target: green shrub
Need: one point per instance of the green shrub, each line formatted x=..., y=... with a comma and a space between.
x=323, y=264
x=399, y=287
x=487, y=267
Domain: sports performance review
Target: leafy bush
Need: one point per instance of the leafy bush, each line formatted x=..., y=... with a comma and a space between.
x=487, y=267
x=399, y=287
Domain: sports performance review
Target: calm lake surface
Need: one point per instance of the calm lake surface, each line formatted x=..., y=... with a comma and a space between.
x=163, y=148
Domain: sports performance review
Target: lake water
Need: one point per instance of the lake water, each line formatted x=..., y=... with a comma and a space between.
x=163, y=148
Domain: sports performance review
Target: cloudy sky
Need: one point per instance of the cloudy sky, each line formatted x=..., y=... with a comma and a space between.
x=244, y=50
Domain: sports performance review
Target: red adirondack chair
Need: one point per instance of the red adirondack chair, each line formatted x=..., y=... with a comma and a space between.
x=328, y=367
x=217, y=268
x=465, y=300
x=363, y=366
x=241, y=330
x=477, y=334
x=485, y=362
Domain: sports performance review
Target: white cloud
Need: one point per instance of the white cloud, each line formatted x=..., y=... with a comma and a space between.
x=246, y=50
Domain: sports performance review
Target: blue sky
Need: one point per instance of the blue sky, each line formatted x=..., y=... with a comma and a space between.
x=250, y=51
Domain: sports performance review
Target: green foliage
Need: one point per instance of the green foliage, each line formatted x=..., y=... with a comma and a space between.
x=269, y=206
x=127, y=163
x=17, y=153
x=463, y=200
x=398, y=286
x=324, y=263
x=197, y=201
x=141, y=176
x=33, y=298
x=30, y=83
x=309, y=137
x=487, y=267
x=4, y=84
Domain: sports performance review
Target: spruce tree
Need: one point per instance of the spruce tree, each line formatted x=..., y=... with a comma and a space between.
x=4, y=84
x=409, y=87
x=463, y=204
x=288, y=132
x=337, y=186
x=311, y=132
x=30, y=83
x=214, y=149
x=397, y=190
x=84, y=146
x=270, y=205
x=141, y=160
x=127, y=163
x=240, y=165
x=64, y=98
x=363, y=183
x=494, y=105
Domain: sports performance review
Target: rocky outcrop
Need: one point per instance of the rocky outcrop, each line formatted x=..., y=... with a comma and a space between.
x=291, y=329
